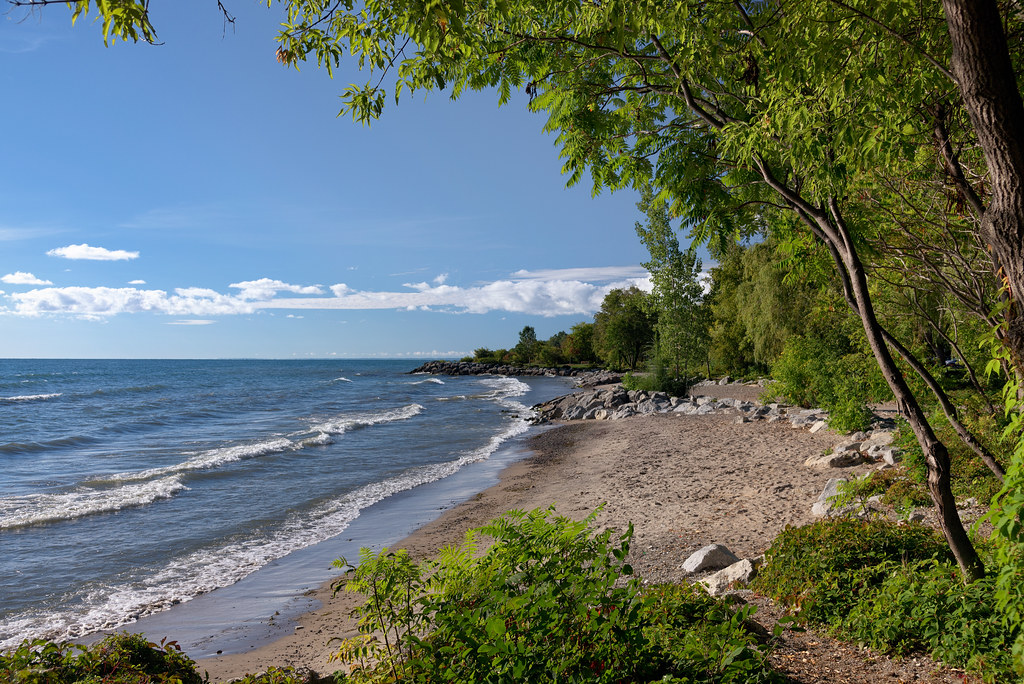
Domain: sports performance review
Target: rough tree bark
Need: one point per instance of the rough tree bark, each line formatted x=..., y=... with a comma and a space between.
x=984, y=74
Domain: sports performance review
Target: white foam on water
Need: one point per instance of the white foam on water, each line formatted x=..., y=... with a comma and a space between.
x=342, y=379
x=32, y=397
x=34, y=509
x=433, y=381
x=342, y=424
x=212, y=458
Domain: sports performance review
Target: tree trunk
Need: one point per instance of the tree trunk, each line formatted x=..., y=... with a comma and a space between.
x=935, y=453
x=984, y=73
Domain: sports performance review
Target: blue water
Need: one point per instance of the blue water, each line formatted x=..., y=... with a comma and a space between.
x=127, y=487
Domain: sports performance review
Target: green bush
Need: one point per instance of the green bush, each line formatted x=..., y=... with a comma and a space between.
x=925, y=606
x=551, y=600
x=658, y=380
x=813, y=372
x=822, y=570
x=118, y=659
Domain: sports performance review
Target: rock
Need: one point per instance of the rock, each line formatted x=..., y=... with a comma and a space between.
x=624, y=411
x=646, y=407
x=742, y=419
x=711, y=557
x=723, y=580
x=574, y=413
x=823, y=507
x=891, y=457
x=843, y=459
x=601, y=414
x=819, y=426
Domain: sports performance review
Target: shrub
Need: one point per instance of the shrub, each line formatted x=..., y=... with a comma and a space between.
x=812, y=372
x=822, y=570
x=551, y=600
x=925, y=606
x=658, y=380
x=118, y=659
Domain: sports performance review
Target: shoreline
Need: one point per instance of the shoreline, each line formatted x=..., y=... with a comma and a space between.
x=686, y=481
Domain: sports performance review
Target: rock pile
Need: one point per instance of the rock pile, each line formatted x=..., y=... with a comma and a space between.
x=732, y=572
x=587, y=378
x=474, y=368
x=615, y=403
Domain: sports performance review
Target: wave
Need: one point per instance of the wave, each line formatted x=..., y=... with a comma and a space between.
x=35, y=509
x=342, y=424
x=32, y=397
x=434, y=381
x=342, y=379
x=212, y=458
x=215, y=458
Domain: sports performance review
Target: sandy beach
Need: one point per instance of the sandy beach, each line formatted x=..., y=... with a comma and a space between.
x=683, y=481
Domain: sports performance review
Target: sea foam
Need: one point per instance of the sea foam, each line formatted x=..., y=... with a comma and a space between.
x=34, y=509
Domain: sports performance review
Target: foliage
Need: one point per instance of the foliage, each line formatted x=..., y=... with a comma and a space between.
x=891, y=587
x=969, y=477
x=813, y=372
x=624, y=328
x=280, y=675
x=925, y=606
x=548, y=601
x=118, y=659
x=677, y=299
x=824, y=569
x=526, y=349
x=579, y=344
x=658, y=379
x=1007, y=512
x=731, y=351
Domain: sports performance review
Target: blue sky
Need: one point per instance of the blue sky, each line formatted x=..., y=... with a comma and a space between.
x=198, y=200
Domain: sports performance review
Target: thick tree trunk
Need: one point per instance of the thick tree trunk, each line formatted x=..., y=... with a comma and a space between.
x=984, y=73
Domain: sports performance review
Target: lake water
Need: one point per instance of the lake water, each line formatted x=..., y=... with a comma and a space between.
x=127, y=487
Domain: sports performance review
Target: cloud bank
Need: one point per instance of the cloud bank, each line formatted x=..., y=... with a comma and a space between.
x=541, y=293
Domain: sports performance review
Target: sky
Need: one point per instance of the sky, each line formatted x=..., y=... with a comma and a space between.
x=196, y=199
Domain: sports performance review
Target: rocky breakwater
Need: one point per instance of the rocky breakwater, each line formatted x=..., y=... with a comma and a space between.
x=586, y=377
x=615, y=403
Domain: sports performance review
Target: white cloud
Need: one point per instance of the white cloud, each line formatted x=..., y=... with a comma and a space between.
x=84, y=251
x=136, y=282
x=22, y=278
x=596, y=274
x=265, y=288
x=441, y=278
x=532, y=295
x=109, y=301
x=193, y=321
x=341, y=289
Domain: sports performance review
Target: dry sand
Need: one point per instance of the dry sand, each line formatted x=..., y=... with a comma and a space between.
x=684, y=482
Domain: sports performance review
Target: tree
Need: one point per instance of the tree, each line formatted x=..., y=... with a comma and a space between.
x=526, y=349
x=579, y=345
x=712, y=103
x=677, y=300
x=624, y=328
